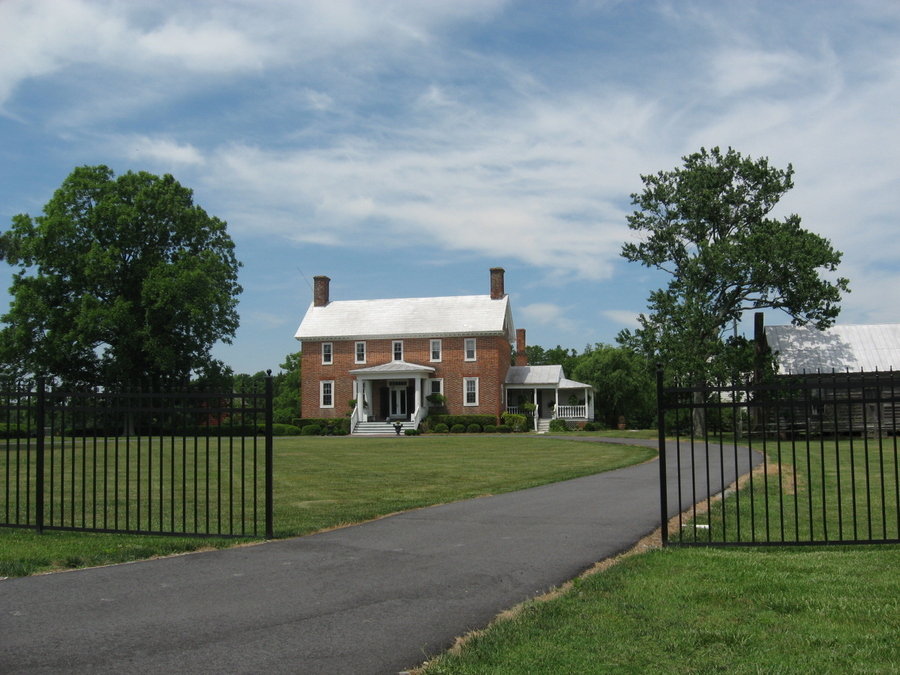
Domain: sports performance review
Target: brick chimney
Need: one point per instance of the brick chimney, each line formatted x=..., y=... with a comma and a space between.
x=521, y=354
x=320, y=291
x=497, y=292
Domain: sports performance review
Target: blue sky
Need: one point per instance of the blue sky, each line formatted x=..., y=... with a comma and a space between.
x=404, y=147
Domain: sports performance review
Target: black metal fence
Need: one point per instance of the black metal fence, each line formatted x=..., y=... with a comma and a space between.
x=149, y=462
x=805, y=459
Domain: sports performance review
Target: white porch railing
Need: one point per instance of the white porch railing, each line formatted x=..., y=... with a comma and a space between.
x=354, y=418
x=513, y=409
x=418, y=416
x=571, y=412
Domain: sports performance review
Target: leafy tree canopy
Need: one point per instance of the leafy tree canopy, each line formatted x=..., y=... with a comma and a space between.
x=120, y=280
x=623, y=383
x=708, y=225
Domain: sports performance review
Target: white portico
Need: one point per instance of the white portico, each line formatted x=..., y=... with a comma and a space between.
x=394, y=377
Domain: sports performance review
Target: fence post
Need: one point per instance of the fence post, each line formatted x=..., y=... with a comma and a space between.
x=270, y=534
x=663, y=478
x=40, y=421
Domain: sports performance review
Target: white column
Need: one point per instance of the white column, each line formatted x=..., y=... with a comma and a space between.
x=556, y=407
x=360, y=411
x=367, y=392
x=418, y=392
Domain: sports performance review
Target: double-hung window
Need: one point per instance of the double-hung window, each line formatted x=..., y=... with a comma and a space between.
x=327, y=353
x=398, y=350
x=360, y=352
x=435, y=351
x=436, y=386
x=470, y=391
x=326, y=394
x=470, y=349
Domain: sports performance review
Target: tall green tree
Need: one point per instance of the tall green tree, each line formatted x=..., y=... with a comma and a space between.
x=122, y=279
x=708, y=225
x=622, y=381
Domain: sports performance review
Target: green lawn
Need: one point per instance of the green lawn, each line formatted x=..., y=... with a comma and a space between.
x=810, y=492
x=751, y=610
x=327, y=482
x=703, y=611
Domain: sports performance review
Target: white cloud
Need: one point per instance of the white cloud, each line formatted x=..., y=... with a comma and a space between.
x=162, y=151
x=208, y=47
x=548, y=314
x=622, y=317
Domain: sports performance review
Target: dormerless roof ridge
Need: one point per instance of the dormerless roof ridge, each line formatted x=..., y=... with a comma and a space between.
x=469, y=315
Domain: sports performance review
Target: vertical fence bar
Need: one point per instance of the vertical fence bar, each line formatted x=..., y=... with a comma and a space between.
x=661, y=438
x=39, y=422
x=270, y=532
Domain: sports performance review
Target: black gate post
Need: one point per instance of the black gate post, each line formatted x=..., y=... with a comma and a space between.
x=270, y=534
x=40, y=421
x=663, y=478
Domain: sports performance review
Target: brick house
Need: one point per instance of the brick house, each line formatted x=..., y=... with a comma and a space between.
x=389, y=355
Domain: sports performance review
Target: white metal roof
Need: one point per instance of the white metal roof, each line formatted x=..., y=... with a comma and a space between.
x=393, y=367
x=841, y=348
x=546, y=376
x=469, y=315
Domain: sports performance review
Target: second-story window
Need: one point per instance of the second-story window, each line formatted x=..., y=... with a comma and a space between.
x=470, y=349
x=398, y=350
x=327, y=353
x=360, y=352
x=435, y=350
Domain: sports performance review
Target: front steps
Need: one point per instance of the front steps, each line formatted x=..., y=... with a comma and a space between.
x=543, y=425
x=378, y=428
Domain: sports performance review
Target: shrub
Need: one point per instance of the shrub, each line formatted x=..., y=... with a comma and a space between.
x=438, y=400
x=458, y=429
x=594, y=426
x=465, y=420
x=441, y=428
x=558, y=425
x=490, y=428
x=515, y=422
x=311, y=430
x=285, y=430
x=474, y=429
x=503, y=428
x=411, y=432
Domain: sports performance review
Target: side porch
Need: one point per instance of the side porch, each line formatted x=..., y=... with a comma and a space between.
x=545, y=393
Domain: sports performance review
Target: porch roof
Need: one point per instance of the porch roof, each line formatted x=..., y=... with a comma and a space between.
x=542, y=376
x=393, y=368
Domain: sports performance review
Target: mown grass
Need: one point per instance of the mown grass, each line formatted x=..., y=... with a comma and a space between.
x=707, y=610
x=327, y=482
x=750, y=610
x=815, y=491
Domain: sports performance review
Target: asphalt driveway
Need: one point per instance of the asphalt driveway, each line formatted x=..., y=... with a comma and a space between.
x=379, y=597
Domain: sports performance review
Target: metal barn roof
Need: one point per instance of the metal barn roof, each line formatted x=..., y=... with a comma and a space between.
x=840, y=348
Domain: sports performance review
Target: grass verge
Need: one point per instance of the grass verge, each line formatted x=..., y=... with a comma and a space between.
x=322, y=483
x=706, y=610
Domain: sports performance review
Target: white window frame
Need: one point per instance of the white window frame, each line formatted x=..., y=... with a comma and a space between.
x=432, y=350
x=440, y=382
x=356, y=347
x=466, y=381
x=474, y=344
x=397, y=345
x=322, y=386
x=327, y=353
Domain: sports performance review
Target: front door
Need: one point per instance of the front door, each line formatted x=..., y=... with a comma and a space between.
x=398, y=401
